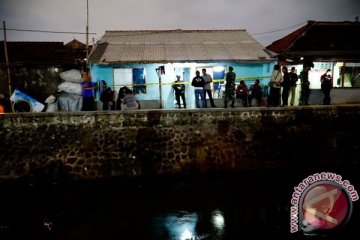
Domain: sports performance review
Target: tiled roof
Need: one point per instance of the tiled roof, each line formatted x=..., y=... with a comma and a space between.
x=75, y=44
x=158, y=46
x=321, y=40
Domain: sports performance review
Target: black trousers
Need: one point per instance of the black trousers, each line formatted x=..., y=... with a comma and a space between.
x=208, y=92
x=182, y=96
x=326, y=90
x=88, y=104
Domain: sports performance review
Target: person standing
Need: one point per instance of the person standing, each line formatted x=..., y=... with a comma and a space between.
x=87, y=92
x=305, y=87
x=207, y=88
x=179, y=89
x=275, y=87
x=326, y=86
x=285, y=86
x=229, y=88
x=107, y=98
x=198, y=83
x=293, y=80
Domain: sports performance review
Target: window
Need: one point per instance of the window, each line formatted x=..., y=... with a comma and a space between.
x=133, y=78
x=139, y=80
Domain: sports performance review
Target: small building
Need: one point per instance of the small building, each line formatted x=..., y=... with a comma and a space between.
x=325, y=45
x=148, y=61
x=332, y=45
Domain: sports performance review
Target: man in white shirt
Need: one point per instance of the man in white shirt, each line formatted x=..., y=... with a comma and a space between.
x=207, y=88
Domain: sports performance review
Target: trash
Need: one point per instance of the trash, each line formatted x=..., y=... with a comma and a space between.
x=25, y=103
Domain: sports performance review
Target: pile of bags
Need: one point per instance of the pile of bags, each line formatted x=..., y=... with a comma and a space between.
x=70, y=98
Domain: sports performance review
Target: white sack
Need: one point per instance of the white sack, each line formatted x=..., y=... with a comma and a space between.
x=72, y=75
x=70, y=87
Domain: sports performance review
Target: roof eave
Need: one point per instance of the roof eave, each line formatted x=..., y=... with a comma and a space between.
x=183, y=61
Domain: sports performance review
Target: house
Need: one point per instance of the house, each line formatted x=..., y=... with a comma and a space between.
x=325, y=45
x=149, y=60
x=328, y=44
x=35, y=66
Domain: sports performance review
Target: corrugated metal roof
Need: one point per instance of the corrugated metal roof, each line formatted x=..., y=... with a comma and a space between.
x=163, y=46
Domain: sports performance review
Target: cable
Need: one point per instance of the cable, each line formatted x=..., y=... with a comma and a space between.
x=43, y=31
x=279, y=30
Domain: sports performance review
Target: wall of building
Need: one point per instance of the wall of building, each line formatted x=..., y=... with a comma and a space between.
x=96, y=145
x=242, y=70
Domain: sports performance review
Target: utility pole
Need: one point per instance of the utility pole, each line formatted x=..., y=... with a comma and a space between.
x=7, y=58
x=87, y=29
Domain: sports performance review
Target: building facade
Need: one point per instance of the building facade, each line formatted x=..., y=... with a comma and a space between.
x=148, y=61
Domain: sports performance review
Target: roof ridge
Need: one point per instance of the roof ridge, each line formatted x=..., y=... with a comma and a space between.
x=176, y=30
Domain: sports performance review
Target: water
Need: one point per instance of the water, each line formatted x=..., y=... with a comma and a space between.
x=252, y=205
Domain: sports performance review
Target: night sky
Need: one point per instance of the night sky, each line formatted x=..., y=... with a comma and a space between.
x=265, y=20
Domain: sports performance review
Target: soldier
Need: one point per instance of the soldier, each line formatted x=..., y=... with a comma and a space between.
x=229, y=88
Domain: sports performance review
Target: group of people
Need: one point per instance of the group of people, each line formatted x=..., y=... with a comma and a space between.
x=202, y=87
x=282, y=87
x=125, y=100
x=247, y=95
x=285, y=80
x=241, y=91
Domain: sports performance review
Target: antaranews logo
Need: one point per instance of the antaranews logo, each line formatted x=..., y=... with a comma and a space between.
x=321, y=202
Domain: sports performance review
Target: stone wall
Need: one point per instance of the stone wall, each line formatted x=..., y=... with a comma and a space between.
x=92, y=145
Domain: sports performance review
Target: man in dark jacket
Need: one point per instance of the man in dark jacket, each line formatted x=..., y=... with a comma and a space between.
x=326, y=86
x=198, y=83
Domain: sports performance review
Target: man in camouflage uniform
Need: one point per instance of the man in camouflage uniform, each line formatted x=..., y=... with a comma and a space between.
x=229, y=88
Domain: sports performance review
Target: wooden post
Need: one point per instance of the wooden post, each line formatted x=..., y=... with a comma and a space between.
x=87, y=29
x=7, y=58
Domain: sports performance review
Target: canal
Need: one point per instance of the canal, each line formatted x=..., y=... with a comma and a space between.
x=248, y=205
x=254, y=173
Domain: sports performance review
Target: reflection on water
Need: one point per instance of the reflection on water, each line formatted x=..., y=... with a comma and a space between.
x=214, y=207
x=188, y=225
x=177, y=225
x=218, y=220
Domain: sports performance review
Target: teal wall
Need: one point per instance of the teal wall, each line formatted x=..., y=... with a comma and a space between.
x=242, y=70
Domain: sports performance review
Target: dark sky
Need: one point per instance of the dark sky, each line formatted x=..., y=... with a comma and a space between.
x=265, y=20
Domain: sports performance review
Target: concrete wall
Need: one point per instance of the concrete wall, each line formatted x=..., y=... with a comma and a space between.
x=92, y=145
x=338, y=96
